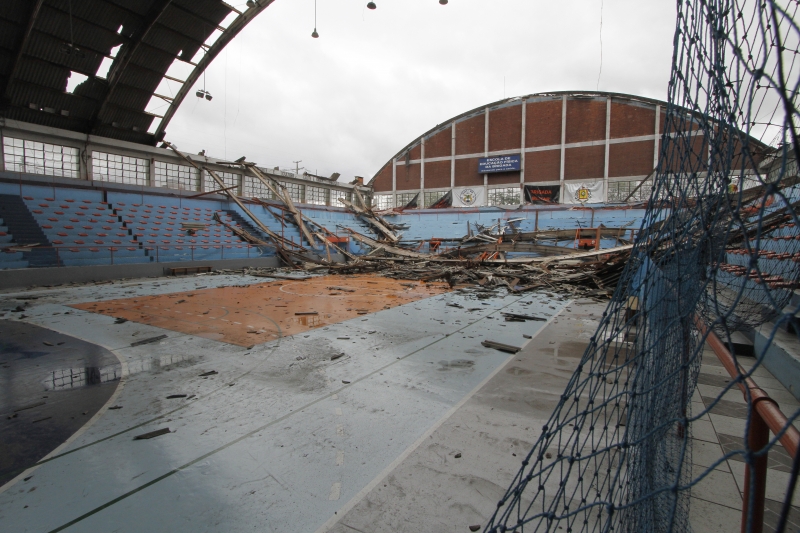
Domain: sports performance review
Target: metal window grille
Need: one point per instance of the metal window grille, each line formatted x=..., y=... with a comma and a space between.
x=174, y=176
x=317, y=195
x=32, y=157
x=505, y=196
x=382, y=201
x=335, y=195
x=618, y=191
x=433, y=197
x=254, y=188
x=404, y=198
x=228, y=178
x=120, y=168
x=297, y=191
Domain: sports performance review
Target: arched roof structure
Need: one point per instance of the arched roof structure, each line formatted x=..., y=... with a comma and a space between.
x=42, y=42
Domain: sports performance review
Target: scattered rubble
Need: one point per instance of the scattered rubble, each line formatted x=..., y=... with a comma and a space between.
x=150, y=435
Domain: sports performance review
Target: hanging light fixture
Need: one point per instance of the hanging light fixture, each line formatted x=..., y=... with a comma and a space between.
x=371, y=5
x=443, y=2
x=250, y=3
x=314, y=33
x=202, y=93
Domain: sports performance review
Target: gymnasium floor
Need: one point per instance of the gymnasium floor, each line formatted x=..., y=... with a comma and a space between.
x=274, y=435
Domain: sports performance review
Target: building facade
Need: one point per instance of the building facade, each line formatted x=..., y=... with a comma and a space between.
x=566, y=147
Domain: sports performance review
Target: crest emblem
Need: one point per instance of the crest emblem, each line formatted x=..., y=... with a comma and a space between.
x=583, y=194
x=468, y=197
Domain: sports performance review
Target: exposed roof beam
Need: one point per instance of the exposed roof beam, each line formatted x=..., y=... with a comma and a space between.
x=36, y=7
x=126, y=53
x=232, y=31
x=205, y=21
x=81, y=97
x=125, y=38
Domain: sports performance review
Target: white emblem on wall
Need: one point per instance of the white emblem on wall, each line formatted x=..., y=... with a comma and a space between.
x=468, y=197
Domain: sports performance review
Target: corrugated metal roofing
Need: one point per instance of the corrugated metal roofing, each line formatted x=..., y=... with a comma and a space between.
x=42, y=41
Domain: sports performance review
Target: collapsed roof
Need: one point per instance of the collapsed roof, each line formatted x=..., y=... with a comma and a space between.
x=140, y=58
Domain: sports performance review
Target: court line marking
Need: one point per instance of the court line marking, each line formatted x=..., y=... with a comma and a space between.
x=332, y=521
x=291, y=413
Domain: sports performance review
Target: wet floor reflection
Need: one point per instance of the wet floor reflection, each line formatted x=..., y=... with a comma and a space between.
x=72, y=378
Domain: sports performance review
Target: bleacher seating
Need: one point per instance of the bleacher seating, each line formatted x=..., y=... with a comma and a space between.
x=89, y=227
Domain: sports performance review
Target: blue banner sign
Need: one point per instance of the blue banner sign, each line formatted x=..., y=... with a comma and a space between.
x=500, y=163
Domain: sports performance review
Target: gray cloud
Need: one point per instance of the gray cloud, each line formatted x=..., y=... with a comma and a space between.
x=375, y=80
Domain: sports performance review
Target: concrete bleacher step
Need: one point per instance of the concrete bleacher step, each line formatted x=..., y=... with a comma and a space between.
x=781, y=357
x=742, y=345
x=25, y=230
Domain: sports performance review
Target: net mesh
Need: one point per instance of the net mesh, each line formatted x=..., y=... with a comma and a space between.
x=718, y=253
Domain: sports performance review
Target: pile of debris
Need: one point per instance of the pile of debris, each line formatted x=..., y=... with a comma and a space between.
x=490, y=257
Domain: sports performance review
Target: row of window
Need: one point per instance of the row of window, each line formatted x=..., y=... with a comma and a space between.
x=500, y=196
x=33, y=157
x=618, y=191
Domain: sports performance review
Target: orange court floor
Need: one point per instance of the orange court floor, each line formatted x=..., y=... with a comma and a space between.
x=247, y=315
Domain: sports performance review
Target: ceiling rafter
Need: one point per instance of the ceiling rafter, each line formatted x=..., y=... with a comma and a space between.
x=126, y=38
x=232, y=31
x=36, y=7
x=125, y=55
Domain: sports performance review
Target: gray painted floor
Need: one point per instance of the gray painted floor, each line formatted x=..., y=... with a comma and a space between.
x=279, y=438
x=283, y=438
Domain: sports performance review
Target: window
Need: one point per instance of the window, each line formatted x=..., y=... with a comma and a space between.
x=297, y=191
x=433, y=197
x=228, y=178
x=120, y=168
x=176, y=176
x=335, y=195
x=382, y=201
x=504, y=196
x=317, y=195
x=40, y=158
x=404, y=198
x=254, y=188
x=619, y=191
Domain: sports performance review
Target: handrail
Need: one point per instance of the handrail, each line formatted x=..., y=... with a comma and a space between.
x=766, y=407
x=765, y=416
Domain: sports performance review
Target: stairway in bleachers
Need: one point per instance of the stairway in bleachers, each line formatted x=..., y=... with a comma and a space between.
x=24, y=228
x=246, y=225
x=82, y=229
x=158, y=229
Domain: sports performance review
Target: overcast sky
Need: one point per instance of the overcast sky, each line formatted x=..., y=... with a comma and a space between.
x=375, y=80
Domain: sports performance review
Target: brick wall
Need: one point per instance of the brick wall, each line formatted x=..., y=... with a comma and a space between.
x=584, y=163
x=630, y=159
x=467, y=172
x=437, y=174
x=505, y=128
x=470, y=135
x=586, y=120
x=408, y=177
x=383, y=182
x=438, y=145
x=631, y=120
x=543, y=123
x=542, y=166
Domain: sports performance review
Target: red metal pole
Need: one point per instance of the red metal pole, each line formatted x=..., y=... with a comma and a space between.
x=755, y=474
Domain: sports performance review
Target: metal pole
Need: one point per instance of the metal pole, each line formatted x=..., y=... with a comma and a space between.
x=755, y=476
